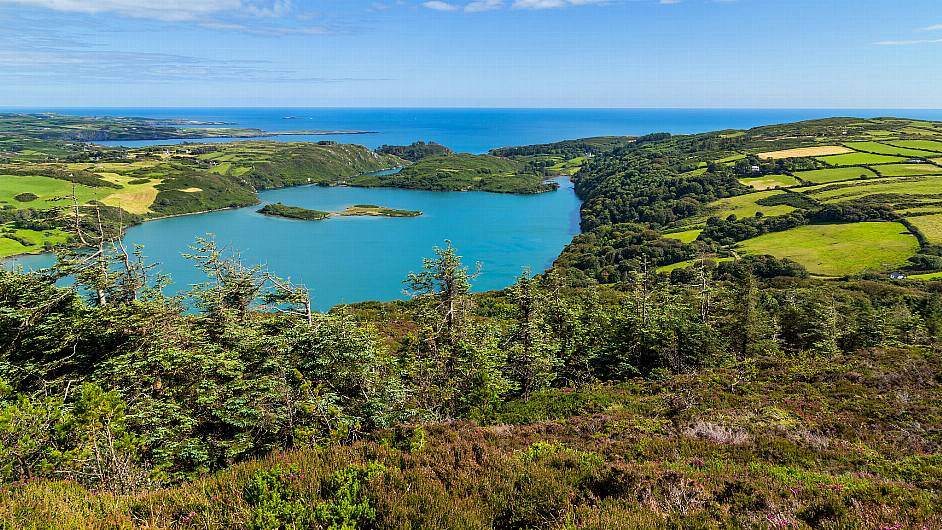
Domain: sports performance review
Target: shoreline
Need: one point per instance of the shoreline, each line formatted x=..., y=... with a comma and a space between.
x=333, y=214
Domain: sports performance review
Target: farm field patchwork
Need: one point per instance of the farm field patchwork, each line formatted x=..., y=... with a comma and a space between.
x=916, y=186
x=930, y=226
x=767, y=182
x=886, y=149
x=823, y=176
x=49, y=192
x=745, y=206
x=839, y=249
x=858, y=159
x=823, y=150
x=909, y=170
x=930, y=145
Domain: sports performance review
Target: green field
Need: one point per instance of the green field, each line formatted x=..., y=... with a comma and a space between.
x=568, y=167
x=859, y=159
x=823, y=176
x=897, y=186
x=731, y=158
x=9, y=247
x=51, y=192
x=695, y=172
x=687, y=236
x=745, y=206
x=931, y=145
x=666, y=269
x=839, y=249
x=927, y=276
x=909, y=170
x=886, y=149
x=930, y=226
x=767, y=182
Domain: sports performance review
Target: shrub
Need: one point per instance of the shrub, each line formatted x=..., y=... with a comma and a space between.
x=278, y=501
x=716, y=433
x=26, y=197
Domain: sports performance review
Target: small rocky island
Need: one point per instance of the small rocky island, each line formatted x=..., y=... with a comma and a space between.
x=380, y=211
x=296, y=212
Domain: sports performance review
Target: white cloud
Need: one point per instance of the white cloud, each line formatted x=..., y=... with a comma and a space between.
x=483, y=5
x=907, y=42
x=552, y=4
x=934, y=27
x=166, y=10
x=438, y=5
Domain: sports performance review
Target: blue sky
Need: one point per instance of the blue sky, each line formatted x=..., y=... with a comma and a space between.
x=503, y=53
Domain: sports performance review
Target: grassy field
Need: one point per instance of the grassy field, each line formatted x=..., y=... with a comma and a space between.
x=666, y=269
x=767, y=182
x=823, y=150
x=858, y=159
x=823, y=176
x=887, y=149
x=135, y=198
x=9, y=247
x=730, y=158
x=909, y=170
x=930, y=145
x=930, y=226
x=50, y=192
x=568, y=167
x=898, y=186
x=839, y=249
x=687, y=236
x=745, y=206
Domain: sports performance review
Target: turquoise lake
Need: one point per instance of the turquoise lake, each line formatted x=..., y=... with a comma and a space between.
x=351, y=259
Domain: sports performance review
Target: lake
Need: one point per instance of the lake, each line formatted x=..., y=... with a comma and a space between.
x=351, y=259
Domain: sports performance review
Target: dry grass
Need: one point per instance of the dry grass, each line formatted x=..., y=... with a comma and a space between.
x=823, y=150
x=134, y=198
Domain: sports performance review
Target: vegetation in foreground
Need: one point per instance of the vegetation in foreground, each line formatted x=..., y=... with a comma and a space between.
x=759, y=399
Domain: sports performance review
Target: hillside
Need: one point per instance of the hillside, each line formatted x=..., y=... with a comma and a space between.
x=730, y=193
x=132, y=185
x=464, y=172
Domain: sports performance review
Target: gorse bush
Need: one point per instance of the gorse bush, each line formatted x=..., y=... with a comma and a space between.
x=278, y=499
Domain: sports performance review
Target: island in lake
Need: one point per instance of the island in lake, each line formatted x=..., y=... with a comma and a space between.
x=304, y=214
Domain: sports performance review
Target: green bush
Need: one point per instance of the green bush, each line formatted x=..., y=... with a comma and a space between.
x=278, y=499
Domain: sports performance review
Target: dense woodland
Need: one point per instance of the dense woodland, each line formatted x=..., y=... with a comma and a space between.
x=415, y=151
x=599, y=394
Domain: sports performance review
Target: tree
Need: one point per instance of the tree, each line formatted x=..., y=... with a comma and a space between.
x=443, y=287
x=531, y=359
x=232, y=286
